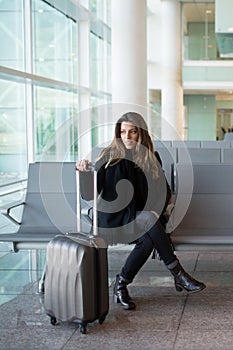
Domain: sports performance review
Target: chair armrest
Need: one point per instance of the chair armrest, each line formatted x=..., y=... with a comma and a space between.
x=168, y=217
x=6, y=212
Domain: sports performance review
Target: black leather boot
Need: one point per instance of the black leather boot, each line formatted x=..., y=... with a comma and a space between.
x=184, y=281
x=121, y=294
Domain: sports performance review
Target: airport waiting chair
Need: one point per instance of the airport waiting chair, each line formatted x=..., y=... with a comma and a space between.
x=49, y=207
x=202, y=216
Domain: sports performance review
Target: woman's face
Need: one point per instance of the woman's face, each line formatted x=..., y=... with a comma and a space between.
x=129, y=135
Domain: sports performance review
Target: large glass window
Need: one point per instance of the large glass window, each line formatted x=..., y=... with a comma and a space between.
x=97, y=8
x=54, y=43
x=41, y=96
x=55, y=124
x=100, y=78
x=96, y=64
x=101, y=9
x=11, y=34
x=101, y=122
x=13, y=151
x=45, y=105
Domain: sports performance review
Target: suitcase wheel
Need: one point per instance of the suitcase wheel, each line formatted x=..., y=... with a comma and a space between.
x=101, y=320
x=53, y=320
x=83, y=329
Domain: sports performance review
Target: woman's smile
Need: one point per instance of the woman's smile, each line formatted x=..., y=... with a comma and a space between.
x=129, y=135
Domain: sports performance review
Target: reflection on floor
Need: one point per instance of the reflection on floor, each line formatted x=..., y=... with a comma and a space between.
x=164, y=318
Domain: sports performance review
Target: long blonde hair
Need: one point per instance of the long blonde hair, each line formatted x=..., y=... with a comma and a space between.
x=143, y=155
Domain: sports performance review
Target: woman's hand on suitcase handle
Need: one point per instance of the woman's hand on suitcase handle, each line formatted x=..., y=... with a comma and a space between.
x=84, y=165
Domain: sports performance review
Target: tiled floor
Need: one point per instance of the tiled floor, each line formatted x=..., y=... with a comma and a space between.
x=164, y=318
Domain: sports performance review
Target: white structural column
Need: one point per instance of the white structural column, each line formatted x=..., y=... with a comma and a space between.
x=172, y=91
x=129, y=61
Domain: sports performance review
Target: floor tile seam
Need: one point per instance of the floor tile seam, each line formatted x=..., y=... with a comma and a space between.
x=196, y=261
x=70, y=337
x=179, y=323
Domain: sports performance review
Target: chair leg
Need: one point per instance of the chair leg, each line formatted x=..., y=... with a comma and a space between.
x=41, y=281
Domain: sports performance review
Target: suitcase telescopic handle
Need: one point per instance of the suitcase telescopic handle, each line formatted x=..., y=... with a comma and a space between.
x=95, y=221
x=94, y=216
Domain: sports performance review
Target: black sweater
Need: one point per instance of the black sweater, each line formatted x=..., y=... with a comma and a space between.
x=125, y=189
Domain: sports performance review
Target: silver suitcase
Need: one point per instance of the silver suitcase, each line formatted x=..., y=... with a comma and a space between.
x=76, y=278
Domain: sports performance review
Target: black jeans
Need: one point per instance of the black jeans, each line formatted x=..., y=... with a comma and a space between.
x=155, y=237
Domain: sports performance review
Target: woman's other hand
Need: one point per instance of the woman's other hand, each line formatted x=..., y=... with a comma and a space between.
x=83, y=164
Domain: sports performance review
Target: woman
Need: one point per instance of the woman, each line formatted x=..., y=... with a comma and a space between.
x=131, y=158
